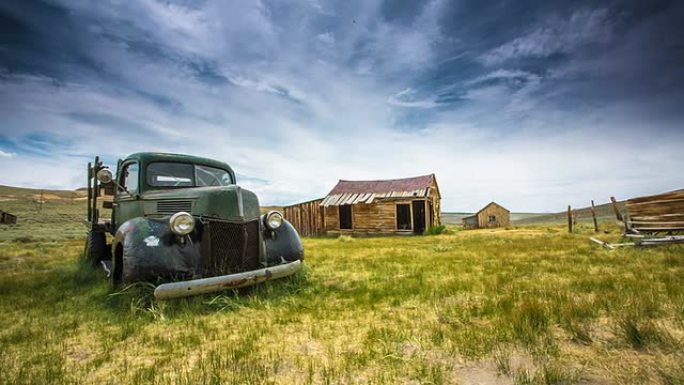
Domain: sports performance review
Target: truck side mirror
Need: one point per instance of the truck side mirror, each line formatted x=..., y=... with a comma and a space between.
x=104, y=176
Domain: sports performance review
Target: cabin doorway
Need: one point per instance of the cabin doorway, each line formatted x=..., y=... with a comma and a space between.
x=418, y=217
x=345, y=217
x=403, y=217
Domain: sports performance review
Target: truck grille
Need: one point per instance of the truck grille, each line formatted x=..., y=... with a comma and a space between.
x=229, y=248
x=172, y=207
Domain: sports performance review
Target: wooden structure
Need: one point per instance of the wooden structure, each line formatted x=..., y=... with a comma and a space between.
x=7, y=218
x=662, y=213
x=307, y=217
x=394, y=206
x=651, y=220
x=492, y=215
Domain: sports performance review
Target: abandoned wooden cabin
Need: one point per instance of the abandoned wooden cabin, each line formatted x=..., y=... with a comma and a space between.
x=394, y=206
x=7, y=218
x=492, y=215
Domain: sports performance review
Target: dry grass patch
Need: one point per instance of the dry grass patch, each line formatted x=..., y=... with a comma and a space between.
x=524, y=306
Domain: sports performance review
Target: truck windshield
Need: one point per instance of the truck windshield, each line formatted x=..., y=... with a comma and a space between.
x=171, y=174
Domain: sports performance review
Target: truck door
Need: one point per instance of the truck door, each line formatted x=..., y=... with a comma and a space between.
x=127, y=205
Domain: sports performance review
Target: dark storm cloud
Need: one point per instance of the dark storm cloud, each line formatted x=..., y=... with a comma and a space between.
x=580, y=52
x=291, y=88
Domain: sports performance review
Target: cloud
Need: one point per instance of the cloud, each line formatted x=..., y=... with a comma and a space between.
x=406, y=98
x=326, y=38
x=295, y=97
x=7, y=155
x=504, y=74
x=556, y=35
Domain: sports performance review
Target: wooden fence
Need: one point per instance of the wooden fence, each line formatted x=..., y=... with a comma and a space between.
x=306, y=217
x=656, y=213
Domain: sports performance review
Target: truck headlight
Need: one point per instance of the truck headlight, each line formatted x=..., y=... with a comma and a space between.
x=273, y=220
x=182, y=223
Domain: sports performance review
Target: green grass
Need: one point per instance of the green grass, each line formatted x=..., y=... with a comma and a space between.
x=60, y=216
x=365, y=310
x=529, y=305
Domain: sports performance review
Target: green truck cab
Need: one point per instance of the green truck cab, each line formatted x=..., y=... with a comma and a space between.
x=183, y=220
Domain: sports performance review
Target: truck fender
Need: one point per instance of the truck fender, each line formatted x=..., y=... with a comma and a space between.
x=145, y=249
x=283, y=243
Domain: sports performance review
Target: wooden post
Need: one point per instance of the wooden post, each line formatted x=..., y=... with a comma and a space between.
x=615, y=209
x=569, y=219
x=90, y=191
x=96, y=191
x=593, y=215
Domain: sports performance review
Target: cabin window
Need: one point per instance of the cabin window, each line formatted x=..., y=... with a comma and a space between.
x=129, y=177
x=403, y=217
x=492, y=218
x=345, y=217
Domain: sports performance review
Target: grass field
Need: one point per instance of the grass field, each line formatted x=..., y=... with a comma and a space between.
x=527, y=305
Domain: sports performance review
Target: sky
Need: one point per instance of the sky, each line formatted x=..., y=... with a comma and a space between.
x=535, y=105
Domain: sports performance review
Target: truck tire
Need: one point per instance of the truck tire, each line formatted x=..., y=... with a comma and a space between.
x=96, y=248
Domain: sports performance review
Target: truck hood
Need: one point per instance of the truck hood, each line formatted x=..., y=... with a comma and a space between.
x=224, y=202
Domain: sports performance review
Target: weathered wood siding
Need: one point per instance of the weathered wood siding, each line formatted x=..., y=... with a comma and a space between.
x=332, y=218
x=379, y=217
x=436, y=200
x=503, y=217
x=656, y=213
x=7, y=218
x=470, y=222
x=307, y=217
x=374, y=217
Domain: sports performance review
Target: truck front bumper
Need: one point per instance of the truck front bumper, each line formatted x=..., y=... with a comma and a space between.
x=224, y=282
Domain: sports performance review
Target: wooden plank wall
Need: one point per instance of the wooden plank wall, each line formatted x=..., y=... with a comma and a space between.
x=657, y=213
x=306, y=217
x=436, y=200
x=470, y=222
x=7, y=218
x=503, y=217
x=379, y=217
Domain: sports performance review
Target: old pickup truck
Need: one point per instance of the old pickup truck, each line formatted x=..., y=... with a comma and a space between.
x=183, y=221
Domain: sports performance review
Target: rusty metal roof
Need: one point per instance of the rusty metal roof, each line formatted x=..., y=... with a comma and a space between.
x=366, y=191
x=382, y=186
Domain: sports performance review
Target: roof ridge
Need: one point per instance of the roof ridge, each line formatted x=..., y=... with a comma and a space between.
x=384, y=180
x=413, y=183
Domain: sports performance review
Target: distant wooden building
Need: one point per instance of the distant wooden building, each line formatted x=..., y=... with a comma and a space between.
x=492, y=215
x=395, y=206
x=7, y=218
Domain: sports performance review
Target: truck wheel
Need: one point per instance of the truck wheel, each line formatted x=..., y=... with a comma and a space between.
x=96, y=248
